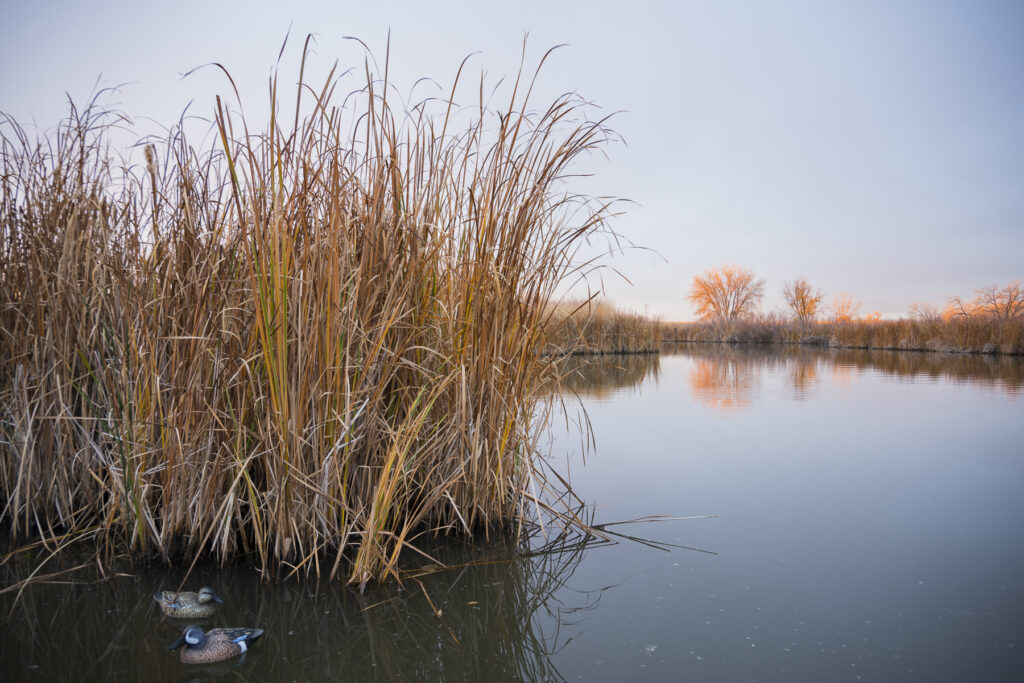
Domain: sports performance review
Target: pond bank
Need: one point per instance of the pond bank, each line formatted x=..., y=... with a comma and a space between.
x=971, y=336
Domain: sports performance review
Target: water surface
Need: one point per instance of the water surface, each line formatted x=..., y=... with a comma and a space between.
x=868, y=528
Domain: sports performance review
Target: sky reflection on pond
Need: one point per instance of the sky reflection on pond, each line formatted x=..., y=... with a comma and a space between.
x=867, y=517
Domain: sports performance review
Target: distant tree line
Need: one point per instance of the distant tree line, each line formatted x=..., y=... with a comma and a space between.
x=991, y=301
x=731, y=293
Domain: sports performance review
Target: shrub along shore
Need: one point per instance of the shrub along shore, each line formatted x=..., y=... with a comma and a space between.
x=981, y=334
x=597, y=328
x=309, y=344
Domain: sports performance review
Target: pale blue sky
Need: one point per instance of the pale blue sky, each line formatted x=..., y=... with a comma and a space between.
x=875, y=147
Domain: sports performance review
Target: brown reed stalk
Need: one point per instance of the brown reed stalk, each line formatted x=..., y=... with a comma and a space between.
x=593, y=326
x=308, y=343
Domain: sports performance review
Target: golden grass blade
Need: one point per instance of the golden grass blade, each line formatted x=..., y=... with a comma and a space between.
x=330, y=335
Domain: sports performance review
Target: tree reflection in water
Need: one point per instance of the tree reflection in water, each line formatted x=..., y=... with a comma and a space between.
x=724, y=380
x=727, y=376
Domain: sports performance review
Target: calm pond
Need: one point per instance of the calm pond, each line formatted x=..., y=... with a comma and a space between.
x=869, y=527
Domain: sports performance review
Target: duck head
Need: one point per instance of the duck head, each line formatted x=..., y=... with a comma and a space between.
x=193, y=636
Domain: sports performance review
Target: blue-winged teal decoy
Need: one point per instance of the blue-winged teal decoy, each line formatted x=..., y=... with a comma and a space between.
x=187, y=604
x=215, y=645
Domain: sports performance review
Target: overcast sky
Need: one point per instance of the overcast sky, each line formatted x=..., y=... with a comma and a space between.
x=876, y=148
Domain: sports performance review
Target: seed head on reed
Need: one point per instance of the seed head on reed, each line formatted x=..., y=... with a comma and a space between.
x=150, y=155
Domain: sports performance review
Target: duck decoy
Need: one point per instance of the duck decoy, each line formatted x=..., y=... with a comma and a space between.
x=188, y=604
x=215, y=645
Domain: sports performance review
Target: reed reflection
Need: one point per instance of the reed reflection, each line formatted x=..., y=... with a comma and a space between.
x=842, y=375
x=604, y=375
x=803, y=377
x=1004, y=371
x=497, y=612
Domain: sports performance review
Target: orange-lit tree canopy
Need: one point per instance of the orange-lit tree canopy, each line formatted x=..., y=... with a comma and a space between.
x=726, y=293
x=844, y=308
x=803, y=300
x=1006, y=303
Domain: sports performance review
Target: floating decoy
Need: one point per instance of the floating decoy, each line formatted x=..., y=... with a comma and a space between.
x=215, y=645
x=188, y=604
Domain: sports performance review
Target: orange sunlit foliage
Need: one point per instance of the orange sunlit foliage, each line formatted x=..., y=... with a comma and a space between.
x=992, y=301
x=1006, y=303
x=844, y=308
x=726, y=293
x=958, y=308
x=873, y=317
x=803, y=300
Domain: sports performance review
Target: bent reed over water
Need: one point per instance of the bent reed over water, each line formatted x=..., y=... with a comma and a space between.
x=305, y=345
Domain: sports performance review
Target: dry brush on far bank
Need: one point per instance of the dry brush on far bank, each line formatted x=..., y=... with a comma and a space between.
x=596, y=327
x=978, y=334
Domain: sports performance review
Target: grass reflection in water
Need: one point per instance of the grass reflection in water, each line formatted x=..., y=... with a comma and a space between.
x=498, y=611
x=602, y=375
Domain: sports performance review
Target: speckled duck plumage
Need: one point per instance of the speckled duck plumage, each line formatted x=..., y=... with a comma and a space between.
x=188, y=604
x=215, y=645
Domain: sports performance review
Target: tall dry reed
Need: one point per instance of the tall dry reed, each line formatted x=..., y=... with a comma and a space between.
x=597, y=327
x=307, y=344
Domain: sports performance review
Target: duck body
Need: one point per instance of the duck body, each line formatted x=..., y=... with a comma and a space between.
x=215, y=645
x=188, y=604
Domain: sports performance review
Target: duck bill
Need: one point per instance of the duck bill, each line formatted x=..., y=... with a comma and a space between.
x=178, y=643
x=216, y=599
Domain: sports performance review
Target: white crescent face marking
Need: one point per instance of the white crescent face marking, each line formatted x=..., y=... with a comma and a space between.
x=242, y=645
x=191, y=638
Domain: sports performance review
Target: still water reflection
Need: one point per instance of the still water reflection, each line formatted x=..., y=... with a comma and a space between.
x=868, y=528
x=499, y=619
x=728, y=377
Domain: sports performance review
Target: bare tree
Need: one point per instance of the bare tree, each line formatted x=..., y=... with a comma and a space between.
x=844, y=308
x=958, y=308
x=925, y=313
x=1005, y=303
x=803, y=300
x=726, y=293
